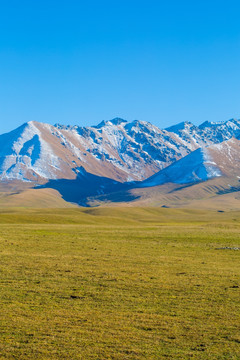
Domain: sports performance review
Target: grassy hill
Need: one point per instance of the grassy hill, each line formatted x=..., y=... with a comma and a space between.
x=23, y=195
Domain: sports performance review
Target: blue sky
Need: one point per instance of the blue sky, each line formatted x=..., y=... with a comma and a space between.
x=79, y=62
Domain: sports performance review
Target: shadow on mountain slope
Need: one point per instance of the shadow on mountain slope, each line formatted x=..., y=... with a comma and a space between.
x=87, y=185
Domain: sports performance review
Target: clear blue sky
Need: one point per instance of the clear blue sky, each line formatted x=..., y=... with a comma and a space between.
x=79, y=62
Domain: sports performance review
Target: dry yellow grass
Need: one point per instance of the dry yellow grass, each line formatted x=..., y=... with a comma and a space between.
x=104, y=283
x=34, y=198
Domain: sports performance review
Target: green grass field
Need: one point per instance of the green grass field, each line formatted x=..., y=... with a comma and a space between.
x=119, y=284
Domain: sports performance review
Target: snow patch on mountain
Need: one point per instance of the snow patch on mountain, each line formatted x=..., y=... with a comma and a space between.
x=195, y=167
x=26, y=152
x=117, y=149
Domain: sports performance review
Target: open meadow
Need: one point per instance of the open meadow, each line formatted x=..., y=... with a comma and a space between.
x=119, y=283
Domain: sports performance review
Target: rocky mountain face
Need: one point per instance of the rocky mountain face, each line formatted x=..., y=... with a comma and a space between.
x=118, y=150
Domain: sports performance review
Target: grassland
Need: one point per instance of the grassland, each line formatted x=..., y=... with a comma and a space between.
x=137, y=283
x=32, y=198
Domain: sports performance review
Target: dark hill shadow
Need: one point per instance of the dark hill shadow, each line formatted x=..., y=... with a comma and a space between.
x=115, y=197
x=87, y=185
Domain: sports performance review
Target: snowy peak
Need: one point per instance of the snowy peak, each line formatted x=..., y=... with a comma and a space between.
x=115, y=121
x=232, y=123
x=120, y=150
x=180, y=126
x=38, y=151
x=138, y=148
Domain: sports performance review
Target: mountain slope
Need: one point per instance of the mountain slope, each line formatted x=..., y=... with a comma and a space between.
x=206, y=178
x=207, y=133
x=201, y=165
x=117, y=149
x=83, y=162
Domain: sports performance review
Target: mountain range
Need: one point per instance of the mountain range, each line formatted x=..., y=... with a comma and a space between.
x=119, y=161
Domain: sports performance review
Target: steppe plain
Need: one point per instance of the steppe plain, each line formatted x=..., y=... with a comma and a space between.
x=119, y=283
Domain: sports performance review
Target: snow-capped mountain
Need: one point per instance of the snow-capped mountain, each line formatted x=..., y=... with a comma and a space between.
x=208, y=132
x=222, y=159
x=118, y=150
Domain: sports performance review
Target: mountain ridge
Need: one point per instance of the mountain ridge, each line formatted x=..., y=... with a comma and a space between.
x=136, y=153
